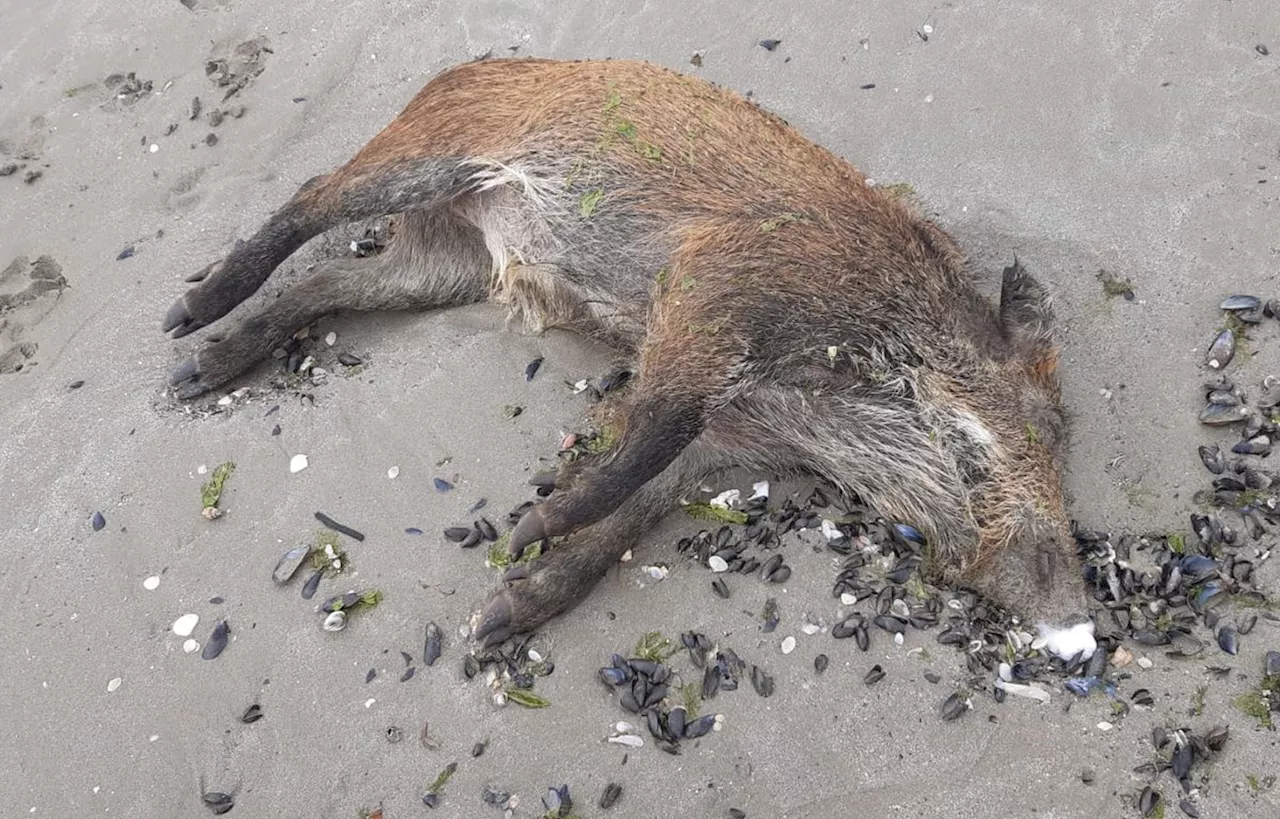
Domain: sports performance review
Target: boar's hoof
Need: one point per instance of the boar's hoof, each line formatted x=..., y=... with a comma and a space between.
x=531, y=529
x=186, y=377
x=179, y=319
x=495, y=621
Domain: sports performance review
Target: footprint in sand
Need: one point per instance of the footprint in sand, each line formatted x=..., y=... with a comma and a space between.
x=28, y=291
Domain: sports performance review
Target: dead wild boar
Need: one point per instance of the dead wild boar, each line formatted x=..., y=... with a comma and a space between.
x=782, y=316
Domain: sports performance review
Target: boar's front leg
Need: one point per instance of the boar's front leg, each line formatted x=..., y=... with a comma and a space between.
x=557, y=580
x=684, y=378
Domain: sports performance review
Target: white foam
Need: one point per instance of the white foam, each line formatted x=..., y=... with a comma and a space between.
x=1067, y=643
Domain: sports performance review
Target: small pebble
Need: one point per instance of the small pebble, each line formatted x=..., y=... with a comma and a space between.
x=1144, y=663
x=151, y=583
x=297, y=463
x=113, y=685
x=393, y=472
x=154, y=147
x=331, y=339
x=190, y=646
x=788, y=645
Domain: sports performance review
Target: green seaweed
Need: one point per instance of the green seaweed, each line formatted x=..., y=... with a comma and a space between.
x=526, y=698
x=705, y=511
x=604, y=440
x=1254, y=704
x=499, y=556
x=1113, y=286
x=899, y=189
x=437, y=786
x=691, y=696
x=320, y=560
x=1177, y=543
x=211, y=492
x=653, y=646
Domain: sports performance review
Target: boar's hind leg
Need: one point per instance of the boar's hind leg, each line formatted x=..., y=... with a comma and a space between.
x=435, y=259
x=357, y=191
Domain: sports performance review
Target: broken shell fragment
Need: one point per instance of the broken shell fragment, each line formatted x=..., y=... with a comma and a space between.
x=289, y=564
x=336, y=621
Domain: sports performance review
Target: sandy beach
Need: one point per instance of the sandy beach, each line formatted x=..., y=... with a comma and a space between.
x=1142, y=143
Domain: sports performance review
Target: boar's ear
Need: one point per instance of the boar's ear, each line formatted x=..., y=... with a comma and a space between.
x=1025, y=308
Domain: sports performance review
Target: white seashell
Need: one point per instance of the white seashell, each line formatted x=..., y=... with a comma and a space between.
x=113, y=685
x=629, y=740
x=369, y=702
x=811, y=628
x=393, y=472
x=848, y=599
x=626, y=557
x=624, y=727
x=535, y=656
x=830, y=531
x=1006, y=672
x=759, y=489
x=898, y=639
x=1105, y=726
x=331, y=339
x=1144, y=663
x=336, y=621
x=717, y=564
x=297, y=463
x=185, y=624
x=151, y=583
x=190, y=645
x=788, y=644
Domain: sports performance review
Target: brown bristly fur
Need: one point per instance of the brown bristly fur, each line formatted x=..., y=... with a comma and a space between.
x=782, y=314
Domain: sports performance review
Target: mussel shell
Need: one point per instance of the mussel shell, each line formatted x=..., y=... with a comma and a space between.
x=1212, y=458
x=1228, y=640
x=676, y=722
x=217, y=640
x=1218, y=415
x=432, y=646
x=954, y=706
x=612, y=792
x=1181, y=760
x=457, y=534
x=1241, y=302
x=1221, y=350
x=1257, y=445
x=700, y=726
x=1148, y=801
x=875, y=675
